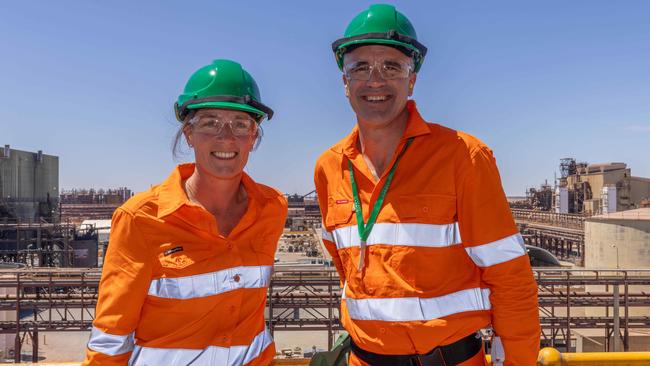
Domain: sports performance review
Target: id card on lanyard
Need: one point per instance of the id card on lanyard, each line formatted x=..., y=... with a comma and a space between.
x=363, y=228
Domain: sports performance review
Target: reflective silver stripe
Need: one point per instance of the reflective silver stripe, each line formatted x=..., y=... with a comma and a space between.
x=497, y=251
x=420, y=235
x=212, y=355
x=214, y=283
x=404, y=309
x=110, y=344
x=327, y=235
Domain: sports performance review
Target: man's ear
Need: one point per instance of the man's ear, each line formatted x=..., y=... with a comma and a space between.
x=412, y=78
x=345, y=85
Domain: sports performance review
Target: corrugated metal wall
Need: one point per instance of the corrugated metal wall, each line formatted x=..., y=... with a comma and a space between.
x=27, y=179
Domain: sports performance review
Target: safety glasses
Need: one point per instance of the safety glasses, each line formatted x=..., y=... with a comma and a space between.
x=211, y=125
x=388, y=69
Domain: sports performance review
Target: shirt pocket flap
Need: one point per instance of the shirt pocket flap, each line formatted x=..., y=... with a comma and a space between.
x=339, y=212
x=434, y=208
x=175, y=258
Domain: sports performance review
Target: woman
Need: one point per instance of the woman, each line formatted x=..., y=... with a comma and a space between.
x=189, y=261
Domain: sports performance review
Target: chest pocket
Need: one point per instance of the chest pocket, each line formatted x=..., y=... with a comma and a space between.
x=264, y=247
x=425, y=208
x=339, y=212
x=175, y=257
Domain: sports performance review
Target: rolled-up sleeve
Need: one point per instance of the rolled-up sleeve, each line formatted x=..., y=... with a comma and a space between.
x=126, y=277
x=492, y=240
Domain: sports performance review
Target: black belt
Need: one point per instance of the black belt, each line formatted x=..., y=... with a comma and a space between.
x=449, y=355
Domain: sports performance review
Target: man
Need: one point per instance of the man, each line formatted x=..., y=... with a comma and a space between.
x=416, y=220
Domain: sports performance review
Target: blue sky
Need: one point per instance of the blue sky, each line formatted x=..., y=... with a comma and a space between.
x=94, y=82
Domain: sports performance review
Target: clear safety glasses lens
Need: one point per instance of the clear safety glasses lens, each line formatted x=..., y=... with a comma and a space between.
x=362, y=70
x=215, y=126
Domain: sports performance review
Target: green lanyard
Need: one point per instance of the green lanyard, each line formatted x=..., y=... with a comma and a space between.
x=364, y=229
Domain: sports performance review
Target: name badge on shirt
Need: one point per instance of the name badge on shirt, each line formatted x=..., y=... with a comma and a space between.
x=173, y=250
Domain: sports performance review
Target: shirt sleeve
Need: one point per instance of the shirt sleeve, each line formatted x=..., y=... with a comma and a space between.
x=124, y=285
x=492, y=240
x=320, y=181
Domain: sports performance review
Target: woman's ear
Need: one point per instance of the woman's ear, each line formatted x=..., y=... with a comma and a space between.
x=187, y=132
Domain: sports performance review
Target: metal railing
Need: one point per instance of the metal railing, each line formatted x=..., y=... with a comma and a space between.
x=553, y=357
x=573, y=221
x=47, y=300
x=547, y=357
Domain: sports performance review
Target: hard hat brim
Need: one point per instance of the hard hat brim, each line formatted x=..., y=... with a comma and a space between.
x=228, y=105
x=380, y=42
x=245, y=104
x=404, y=43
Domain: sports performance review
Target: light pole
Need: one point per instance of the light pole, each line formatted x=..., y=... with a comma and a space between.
x=616, y=247
x=617, y=321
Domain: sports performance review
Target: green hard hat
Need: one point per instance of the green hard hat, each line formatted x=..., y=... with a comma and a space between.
x=383, y=25
x=222, y=84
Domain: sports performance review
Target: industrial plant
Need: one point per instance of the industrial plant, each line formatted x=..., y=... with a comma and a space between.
x=590, y=189
x=587, y=235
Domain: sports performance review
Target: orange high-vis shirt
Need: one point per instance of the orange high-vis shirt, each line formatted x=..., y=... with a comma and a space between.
x=175, y=292
x=444, y=258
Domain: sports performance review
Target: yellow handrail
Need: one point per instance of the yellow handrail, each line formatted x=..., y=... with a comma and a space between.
x=552, y=357
x=547, y=357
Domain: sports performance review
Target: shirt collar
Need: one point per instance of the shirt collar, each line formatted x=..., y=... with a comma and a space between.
x=172, y=195
x=415, y=126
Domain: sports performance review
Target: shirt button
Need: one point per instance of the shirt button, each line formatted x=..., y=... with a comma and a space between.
x=225, y=338
x=370, y=291
x=425, y=209
x=229, y=245
x=236, y=278
x=382, y=330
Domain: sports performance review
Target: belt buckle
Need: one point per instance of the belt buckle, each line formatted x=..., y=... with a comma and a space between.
x=434, y=358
